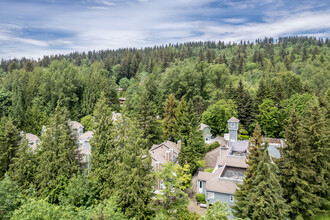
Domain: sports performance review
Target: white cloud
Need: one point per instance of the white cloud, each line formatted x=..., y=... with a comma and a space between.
x=139, y=24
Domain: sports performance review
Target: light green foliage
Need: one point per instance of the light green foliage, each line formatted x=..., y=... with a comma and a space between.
x=124, y=83
x=217, y=115
x=200, y=197
x=171, y=201
x=209, y=170
x=88, y=123
x=209, y=147
x=9, y=142
x=80, y=191
x=269, y=118
x=9, y=198
x=218, y=211
x=184, y=175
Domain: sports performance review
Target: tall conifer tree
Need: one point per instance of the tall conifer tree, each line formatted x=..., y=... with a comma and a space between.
x=133, y=179
x=296, y=169
x=102, y=149
x=169, y=117
x=252, y=160
x=317, y=138
x=265, y=198
x=23, y=167
x=58, y=157
x=9, y=142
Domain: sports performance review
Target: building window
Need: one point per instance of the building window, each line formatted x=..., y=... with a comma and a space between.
x=200, y=184
x=231, y=198
x=210, y=195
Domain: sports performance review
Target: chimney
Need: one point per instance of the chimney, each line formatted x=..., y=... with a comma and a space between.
x=167, y=155
x=171, y=154
x=157, y=164
x=179, y=144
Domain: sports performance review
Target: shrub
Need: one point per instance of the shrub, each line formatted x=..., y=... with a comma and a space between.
x=244, y=137
x=200, y=197
x=212, y=146
x=209, y=170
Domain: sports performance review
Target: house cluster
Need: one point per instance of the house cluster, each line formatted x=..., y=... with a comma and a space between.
x=83, y=139
x=220, y=185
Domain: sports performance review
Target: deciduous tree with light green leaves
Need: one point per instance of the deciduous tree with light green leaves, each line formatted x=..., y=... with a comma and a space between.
x=218, y=211
x=217, y=115
x=269, y=118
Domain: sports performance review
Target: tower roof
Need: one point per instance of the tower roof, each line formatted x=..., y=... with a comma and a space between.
x=233, y=119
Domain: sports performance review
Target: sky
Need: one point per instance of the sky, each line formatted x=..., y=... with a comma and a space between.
x=34, y=28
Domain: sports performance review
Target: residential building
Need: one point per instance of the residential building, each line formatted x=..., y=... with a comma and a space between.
x=76, y=127
x=85, y=148
x=33, y=140
x=221, y=184
x=206, y=132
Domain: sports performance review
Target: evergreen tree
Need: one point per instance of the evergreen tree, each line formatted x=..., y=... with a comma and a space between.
x=102, y=149
x=263, y=92
x=17, y=104
x=147, y=117
x=133, y=179
x=179, y=123
x=265, y=199
x=296, y=169
x=192, y=143
x=317, y=138
x=244, y=105
x=57, y=158
x=169, y=117
x=9, y=142
x=23, y=167
x=252, y=160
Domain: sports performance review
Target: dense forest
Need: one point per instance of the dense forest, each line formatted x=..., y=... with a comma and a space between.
x=281, y=84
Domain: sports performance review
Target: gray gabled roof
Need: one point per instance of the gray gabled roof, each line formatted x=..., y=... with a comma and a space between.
x=233, y=119
x=202, y=126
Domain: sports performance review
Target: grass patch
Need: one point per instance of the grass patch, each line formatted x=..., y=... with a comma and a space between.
x=209, y=170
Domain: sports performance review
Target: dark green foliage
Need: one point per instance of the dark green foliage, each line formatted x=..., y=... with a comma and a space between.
x=265, y=198
x=252, y=160
x=57, y=158
x=9, y=198
x=169, y=117
x=296, y=168
x=9, y=142
x=192, y=143
x=146, y=115
x=244, y=105
x=24, y=165
x=102, y=149
x=133, y=178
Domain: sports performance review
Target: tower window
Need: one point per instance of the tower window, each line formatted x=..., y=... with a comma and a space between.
x=231, y=198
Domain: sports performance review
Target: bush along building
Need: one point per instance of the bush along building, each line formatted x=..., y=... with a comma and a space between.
x=220, y=185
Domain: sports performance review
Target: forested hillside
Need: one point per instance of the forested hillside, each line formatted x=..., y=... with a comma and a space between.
x=267, y=82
